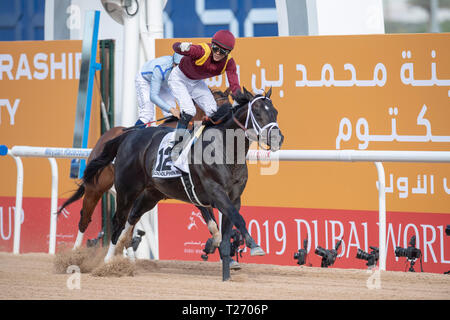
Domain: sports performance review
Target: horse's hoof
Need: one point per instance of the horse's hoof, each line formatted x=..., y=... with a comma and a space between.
x=130, y=255
x=216, y=242
x=234, y=265
x=257, y=251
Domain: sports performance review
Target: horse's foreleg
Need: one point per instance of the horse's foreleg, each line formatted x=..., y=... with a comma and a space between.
x=144, y=203
x=224, y=204
x=255, y=250
x=225, y=248
x=208, y=215
x=118, y=228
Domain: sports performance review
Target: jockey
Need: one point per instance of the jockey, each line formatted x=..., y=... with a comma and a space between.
x=152, y=88
x=199, y=62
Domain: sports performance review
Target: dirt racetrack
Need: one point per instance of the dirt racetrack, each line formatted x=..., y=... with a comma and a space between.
x=33, y=276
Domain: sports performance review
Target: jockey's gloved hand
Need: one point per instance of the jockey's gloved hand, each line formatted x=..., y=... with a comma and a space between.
x=185, y=46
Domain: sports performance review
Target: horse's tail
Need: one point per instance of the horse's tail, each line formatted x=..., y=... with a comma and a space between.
x=105, y=158
x=76, y=196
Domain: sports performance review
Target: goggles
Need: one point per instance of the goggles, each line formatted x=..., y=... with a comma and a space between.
x=216, y=49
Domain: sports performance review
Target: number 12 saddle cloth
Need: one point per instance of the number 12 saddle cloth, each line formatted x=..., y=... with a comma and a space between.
x=164, y=168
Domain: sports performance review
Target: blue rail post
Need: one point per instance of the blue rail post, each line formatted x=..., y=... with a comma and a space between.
x=3, y=150
x=84, y=101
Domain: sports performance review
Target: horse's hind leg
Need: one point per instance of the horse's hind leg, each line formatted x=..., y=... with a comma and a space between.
x=144, y=203
x=124, y=204
x=92, y=194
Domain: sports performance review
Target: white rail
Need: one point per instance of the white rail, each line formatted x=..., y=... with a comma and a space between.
x=357, y=155
x=282, y=155
x=350, y=155
x=41, y=152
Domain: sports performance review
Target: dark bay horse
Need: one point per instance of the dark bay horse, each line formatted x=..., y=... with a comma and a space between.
x=218, y=184
x=92, y=191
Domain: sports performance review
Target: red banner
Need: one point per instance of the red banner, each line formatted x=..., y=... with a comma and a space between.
x=281, y=231
x=35, y=228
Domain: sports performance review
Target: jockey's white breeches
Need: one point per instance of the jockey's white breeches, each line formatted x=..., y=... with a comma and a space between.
x=146, y=108
x=185, y=89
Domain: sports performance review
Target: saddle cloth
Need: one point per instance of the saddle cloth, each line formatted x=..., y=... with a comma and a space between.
x=164, y=167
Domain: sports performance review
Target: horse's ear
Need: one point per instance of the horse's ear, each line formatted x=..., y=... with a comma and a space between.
x=269, y=93
x=248, y=94
x=227, y=92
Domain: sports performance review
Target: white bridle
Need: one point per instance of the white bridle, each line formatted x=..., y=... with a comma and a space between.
x=256, y=126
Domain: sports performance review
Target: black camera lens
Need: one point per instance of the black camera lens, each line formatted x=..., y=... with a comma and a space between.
x=371, y=257
x=413, y=253
x=400, y=252
x=321, y=252
x=361, y=254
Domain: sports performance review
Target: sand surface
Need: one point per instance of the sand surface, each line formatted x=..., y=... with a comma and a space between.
x=35, y=276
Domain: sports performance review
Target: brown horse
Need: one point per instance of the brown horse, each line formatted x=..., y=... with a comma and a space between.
x=104, y=180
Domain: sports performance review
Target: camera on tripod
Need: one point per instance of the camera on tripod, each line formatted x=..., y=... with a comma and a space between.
x=301, y=254
x=411, y=253
x=237, y=240
x=328, y=256
x=371, y=257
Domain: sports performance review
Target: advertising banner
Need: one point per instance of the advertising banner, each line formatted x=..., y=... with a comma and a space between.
x=371, y=92
x=38, y=94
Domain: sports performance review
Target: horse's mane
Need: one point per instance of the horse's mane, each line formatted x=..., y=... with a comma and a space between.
x=225, y=111
x=241, y=98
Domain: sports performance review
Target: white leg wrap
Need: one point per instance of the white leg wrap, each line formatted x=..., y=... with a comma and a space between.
x=79, y=240
x=130, y=254
x=111, y=251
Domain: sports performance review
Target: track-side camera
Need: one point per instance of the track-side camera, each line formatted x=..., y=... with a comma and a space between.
x=301, y=254
x=328, y=256
x=371, y=257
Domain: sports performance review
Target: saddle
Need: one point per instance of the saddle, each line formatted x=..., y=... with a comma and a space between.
x=164, y=168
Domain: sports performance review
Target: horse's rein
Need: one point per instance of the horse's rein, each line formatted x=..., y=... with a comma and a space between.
x=255, y=124
x=148, y=123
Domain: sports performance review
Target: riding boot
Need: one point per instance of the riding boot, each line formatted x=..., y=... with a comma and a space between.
x=181, y=135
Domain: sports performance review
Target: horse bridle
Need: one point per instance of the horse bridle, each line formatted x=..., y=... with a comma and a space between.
x=251, y=116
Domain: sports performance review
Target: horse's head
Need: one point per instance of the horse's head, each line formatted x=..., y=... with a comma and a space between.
x=261, y=118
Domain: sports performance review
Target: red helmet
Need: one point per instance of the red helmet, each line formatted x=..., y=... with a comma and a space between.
x=224, y=39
